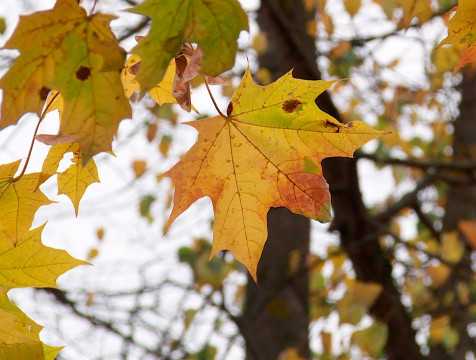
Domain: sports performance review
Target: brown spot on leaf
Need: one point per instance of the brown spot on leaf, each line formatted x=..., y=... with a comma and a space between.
x=329, y=124
x=229, y=109
x=291, y=106
x=83, y=73
x=44, y=91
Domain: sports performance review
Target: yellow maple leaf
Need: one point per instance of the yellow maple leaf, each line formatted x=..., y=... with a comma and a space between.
x=19, y=200
x=74, y=181
x=9, y=332
x=265, y=153
x=50, y=352
x=352, y=6
x=30, y=263
x=19, y=335
x=45, y=41
x=161, y=93
x=415, y=8
x=462, y=30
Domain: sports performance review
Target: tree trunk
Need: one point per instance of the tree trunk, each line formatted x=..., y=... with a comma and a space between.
x=461, y=205
x=275, y=305
x=276, y=315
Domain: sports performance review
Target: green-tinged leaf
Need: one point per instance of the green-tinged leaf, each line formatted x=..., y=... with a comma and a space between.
x=19, y=201
x=30, y=263
x=50, y=352
x=371, y=340
x=66, y=50
x=145, y=205
x=213, y=24
x=3, y=25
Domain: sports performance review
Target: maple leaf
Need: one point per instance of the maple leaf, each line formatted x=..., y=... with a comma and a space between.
x=50, y=352
x=161, y=92
x=30, y=263
x=415, y=8
x=174, y=88
x=462, y=30
x=266, y=152
x=213, y=24
x=74, y=181
x=19, y=200
x=45, y=40
x=468, y=55
x=352, y=6
x=19, y=335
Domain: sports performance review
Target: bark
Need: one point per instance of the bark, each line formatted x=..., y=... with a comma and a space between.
x=461, y=204
x=289, y=46
x=276, y=315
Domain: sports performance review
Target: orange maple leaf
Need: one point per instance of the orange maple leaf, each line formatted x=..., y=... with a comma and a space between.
x=265, y=153
x=462, y=30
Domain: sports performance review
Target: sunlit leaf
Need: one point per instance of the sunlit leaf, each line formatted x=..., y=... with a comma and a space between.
x=30, y=263
x=45, y=39
x=19, y=200
x=265, y=153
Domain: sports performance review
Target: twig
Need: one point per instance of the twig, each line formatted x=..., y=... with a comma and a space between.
x=420, y=164
x=363, y=40
x=407, y=200
x=425, y=220
x=134, y=30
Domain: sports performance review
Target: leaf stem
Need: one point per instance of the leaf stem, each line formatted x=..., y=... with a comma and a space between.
x=43, y=114
x=94, y=6
x=213, y=99
x=208, y=87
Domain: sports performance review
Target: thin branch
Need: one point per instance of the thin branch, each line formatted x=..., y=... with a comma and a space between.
x=425, y=220
x=363, y=40
x=420, y=164
x=134, y=30
x=61, y=297
x=412, y=246
x=408, y=200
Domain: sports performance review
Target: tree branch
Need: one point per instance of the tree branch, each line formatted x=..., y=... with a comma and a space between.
x=416, y=163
